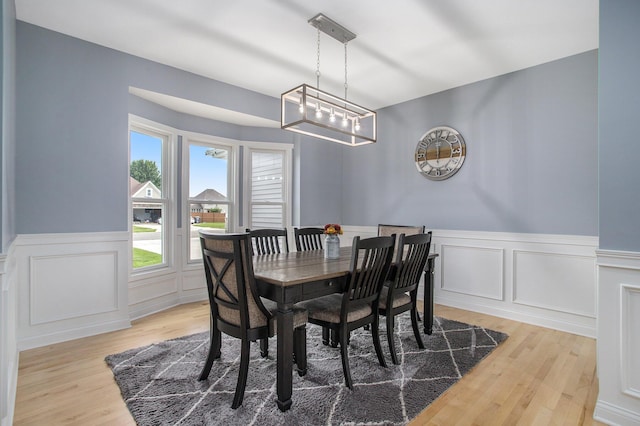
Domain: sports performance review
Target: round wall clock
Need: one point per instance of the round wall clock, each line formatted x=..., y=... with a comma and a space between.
x=440, y=153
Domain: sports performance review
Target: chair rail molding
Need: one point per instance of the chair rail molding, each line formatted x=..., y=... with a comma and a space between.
x=618, y=337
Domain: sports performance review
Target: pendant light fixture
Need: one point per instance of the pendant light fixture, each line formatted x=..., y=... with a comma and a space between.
x=313, y=112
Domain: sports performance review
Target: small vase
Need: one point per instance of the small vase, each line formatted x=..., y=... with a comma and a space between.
x=332, y=246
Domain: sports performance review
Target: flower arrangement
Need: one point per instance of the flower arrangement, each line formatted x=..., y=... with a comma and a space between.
x=332, y=229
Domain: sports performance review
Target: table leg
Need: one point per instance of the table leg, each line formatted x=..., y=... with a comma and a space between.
x=284, y=381
x=428, y=297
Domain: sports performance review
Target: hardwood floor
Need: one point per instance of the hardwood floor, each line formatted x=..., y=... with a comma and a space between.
x=537, y=376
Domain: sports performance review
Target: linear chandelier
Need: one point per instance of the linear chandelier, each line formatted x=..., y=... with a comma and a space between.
x=313, y=112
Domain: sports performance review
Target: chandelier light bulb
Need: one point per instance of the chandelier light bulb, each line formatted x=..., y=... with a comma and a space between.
x=301, y=108
x=357, y=126
x=332, y=116
x=318, y=111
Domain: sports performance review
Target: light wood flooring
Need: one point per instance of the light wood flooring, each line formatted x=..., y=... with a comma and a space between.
x=537, y=376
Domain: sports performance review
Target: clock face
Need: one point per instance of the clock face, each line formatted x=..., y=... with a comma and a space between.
x=440, y=153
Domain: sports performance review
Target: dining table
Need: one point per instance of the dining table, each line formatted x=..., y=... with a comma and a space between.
x=289, y=278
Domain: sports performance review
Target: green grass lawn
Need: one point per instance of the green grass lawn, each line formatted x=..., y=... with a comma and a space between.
x=217, y=225
x=143, y=258
x=142, y=229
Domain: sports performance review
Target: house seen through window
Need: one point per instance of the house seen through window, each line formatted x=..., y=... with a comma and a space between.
x=148, y=198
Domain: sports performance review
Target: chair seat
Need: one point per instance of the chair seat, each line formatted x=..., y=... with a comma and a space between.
x=300, y=316
x=399, y=299
x=327, y=309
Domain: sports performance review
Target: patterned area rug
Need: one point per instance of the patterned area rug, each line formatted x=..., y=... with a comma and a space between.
x=160, y=386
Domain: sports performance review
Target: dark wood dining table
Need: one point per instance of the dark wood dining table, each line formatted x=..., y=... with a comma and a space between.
x=289, y=278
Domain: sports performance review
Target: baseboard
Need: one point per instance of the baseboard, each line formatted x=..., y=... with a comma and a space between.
x=614, y=415
x=587, y=330
x=72, y=334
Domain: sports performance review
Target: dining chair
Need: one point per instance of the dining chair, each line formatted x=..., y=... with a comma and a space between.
x=358, y=305
x=269, y=241
x=402, y=291
x=309, y=238
x=236, y=309
x=384, y=229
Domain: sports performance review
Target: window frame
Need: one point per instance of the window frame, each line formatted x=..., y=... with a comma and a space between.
x=232, y=146
x=175, y=183
x=167, y=199
x=287, y=205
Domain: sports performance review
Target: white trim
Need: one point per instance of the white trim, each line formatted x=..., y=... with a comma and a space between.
x=287, y=202
x=9, y=354
x=188, y=139
x=628, y=329
x=167, y=201
x=618, y=338
x=566, y=240
x=613, y=415
x=619, y=259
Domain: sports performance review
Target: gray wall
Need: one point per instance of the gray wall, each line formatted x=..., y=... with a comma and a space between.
x=531, y=161
x=619, y=125
x=531, y=139
x=7, y=124
x=72, y=111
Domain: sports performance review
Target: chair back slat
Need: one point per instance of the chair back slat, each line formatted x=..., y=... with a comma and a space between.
x=269, y=241
x=308, y=238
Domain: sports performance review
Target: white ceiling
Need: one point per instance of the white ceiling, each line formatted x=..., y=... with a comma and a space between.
x=404, y=49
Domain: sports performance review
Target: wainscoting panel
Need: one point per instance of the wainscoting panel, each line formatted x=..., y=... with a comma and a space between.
x=460, y=267
x=66, y=287
x=194, y=279
x=630, y=345
x=546, y=280
x=569, y=278
x=618, y=338
x=71, y=286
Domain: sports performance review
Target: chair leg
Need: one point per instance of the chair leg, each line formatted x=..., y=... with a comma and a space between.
x=264, y=347
x=325, y=336
x=344, y=336
x=390, y=337
x=375, y=332
x=416, y=329
x=334, y=338
x=300, y=349
x=242, y=374
x=215, y=342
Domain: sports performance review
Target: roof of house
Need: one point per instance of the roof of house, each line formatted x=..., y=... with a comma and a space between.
x=210, y=195
x=134, y=186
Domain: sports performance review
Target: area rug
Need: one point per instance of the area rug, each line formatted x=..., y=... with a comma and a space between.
x=160, y=386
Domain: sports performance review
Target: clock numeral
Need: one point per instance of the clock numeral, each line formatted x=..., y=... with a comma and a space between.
x=456, y=151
